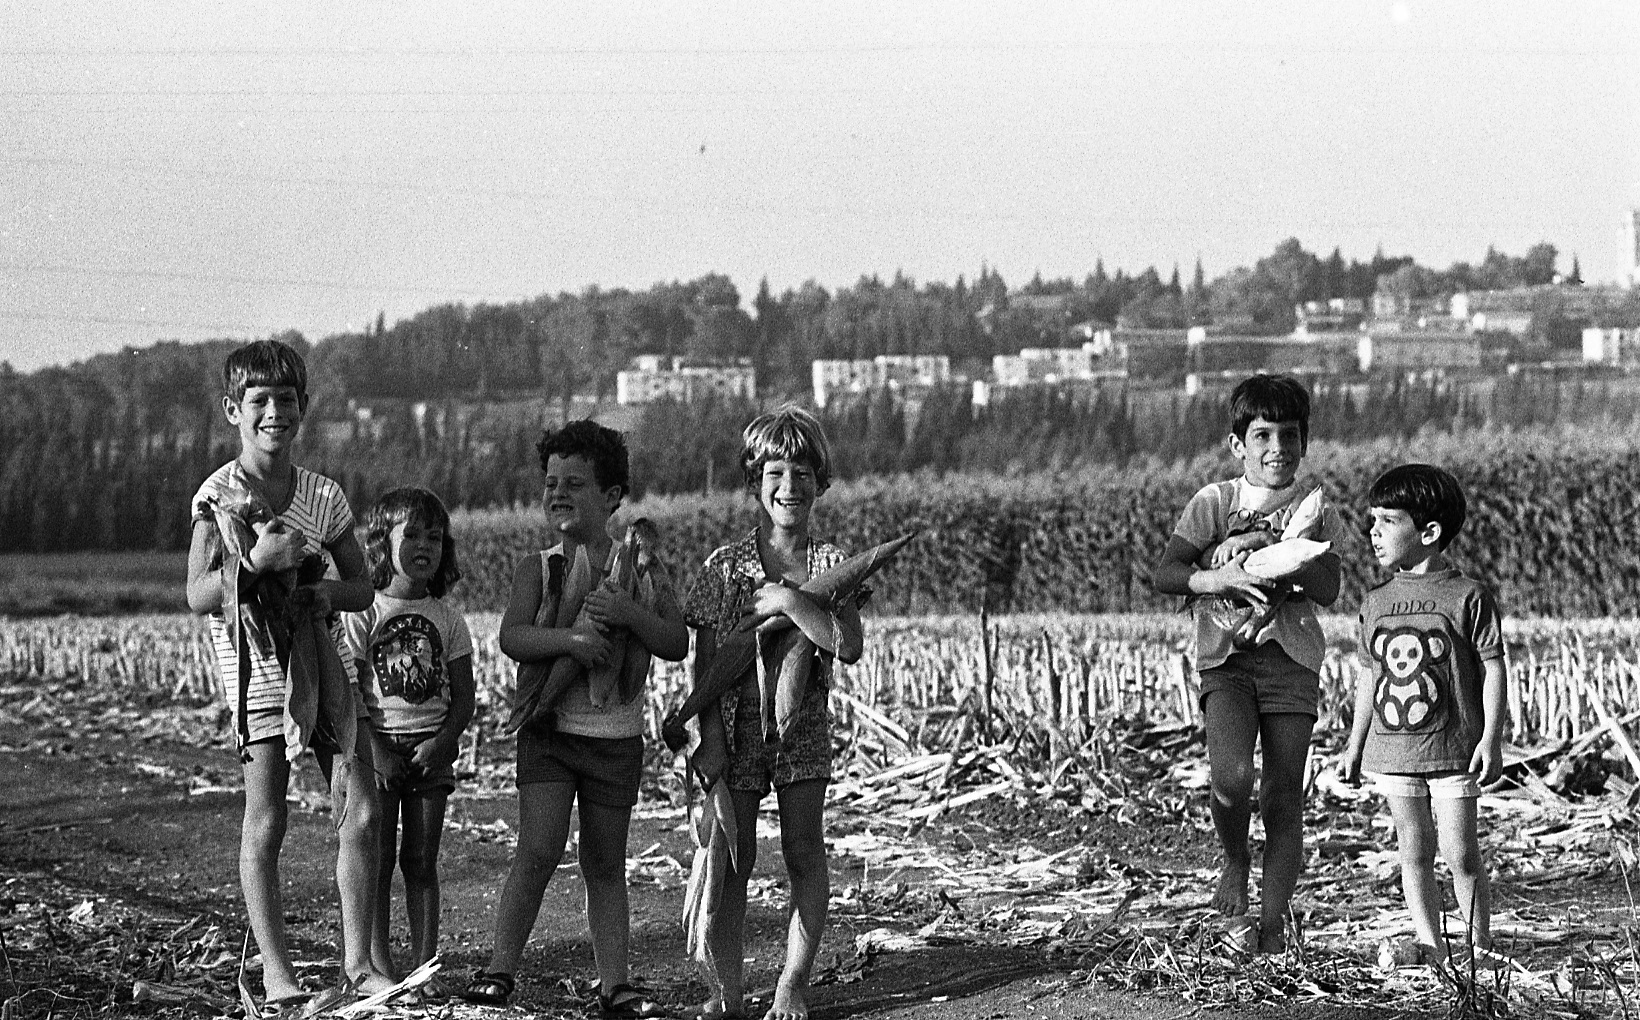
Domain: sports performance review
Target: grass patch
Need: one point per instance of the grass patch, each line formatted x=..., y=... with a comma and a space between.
x=93, y=583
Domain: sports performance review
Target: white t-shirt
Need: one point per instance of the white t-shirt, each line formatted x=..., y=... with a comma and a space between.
x=404, y=648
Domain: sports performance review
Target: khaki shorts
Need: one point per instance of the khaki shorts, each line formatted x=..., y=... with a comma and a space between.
x=1269, y=678
x=1433, y=785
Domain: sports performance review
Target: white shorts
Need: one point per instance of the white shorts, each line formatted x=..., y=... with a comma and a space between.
x=1435, y=786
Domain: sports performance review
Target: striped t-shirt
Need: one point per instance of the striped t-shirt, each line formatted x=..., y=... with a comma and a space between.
x=320, y=510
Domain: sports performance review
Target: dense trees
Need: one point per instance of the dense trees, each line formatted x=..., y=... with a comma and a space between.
x=105, y=454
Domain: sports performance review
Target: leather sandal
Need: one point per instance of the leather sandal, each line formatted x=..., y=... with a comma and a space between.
x=625, y=1000
x=489, y=988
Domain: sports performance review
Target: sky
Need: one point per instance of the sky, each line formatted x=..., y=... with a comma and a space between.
x=187, y=171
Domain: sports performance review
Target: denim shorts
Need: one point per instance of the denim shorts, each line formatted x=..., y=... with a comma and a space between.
x=1268, y=677
x=396, y=773
x=1433, y=785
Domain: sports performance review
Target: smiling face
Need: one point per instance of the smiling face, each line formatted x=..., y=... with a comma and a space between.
x=575, y=506
x=1397, y=541
x=267, y=417
x=786, y=493
x=418, y=550
x=1270, y=453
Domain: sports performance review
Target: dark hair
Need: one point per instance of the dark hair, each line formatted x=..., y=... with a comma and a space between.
x=264, y=363
x=1426, y=493
x=790, y=433
x=603, y=448
x=1275, y=398
x=397, y=507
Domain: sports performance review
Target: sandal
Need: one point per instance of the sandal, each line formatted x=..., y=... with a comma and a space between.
x=489, y=988
x=625, y=1000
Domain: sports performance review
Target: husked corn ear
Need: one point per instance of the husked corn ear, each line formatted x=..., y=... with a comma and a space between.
x=1305, y=521
x=1283, y=559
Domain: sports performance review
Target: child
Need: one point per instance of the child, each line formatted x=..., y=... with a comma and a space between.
x=265, y=397
x=787, y=465
x=1267, y=693
x=592, y=758
x=415, y=664
x=1429, y=719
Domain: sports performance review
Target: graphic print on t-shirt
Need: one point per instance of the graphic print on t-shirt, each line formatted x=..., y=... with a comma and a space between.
x=408, y=658
x=1414, y=674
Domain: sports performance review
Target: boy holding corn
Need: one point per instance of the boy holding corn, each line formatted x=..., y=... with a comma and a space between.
x=299, y=558
x=1266, y=693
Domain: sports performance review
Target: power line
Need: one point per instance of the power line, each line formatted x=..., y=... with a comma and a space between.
x=259, y=281
x=111, y=321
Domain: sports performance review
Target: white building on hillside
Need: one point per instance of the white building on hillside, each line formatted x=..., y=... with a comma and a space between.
x=653, y=378
x=834, y=376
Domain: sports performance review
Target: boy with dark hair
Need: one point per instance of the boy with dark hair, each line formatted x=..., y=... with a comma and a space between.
x=300, y=520
x=590, y=756
x=1429, y=717
x=1266, y=693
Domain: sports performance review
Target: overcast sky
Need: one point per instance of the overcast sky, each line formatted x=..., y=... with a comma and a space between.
x=187, y=171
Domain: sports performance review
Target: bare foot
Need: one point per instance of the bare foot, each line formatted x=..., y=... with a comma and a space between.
x=370, y=982
x=1272, y=938
x=1230, y=898
x=788, y=1004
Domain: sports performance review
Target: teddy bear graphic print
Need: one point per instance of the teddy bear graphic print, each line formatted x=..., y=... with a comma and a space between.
x=408, y=659
x=1414, y=678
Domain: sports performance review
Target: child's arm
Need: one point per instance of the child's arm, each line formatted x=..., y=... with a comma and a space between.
x=1235, y=545
x=837, y=632
x=1177, y=574
x=1320, y=579
x=352, y=593
x=661, y=630
x=442, y=747
x=522, y=641
x=1487, y=761
x=1349, y=763
x=275, y=550
x=712, y=756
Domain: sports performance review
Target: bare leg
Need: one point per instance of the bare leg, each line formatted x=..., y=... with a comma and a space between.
x=381, y=953
x=1232, y=728
x=1455, y=824
x=603, y=866
x=543, y=829
x=418, y=861
x=1415, y=835
x=803, y=844
x=359, y=844
x=726, y=935
x=1286, y=740
x=261, y=836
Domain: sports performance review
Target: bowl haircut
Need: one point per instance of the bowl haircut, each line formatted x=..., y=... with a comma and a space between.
x=264, y=363
x=790, y=433
x=1425, y=493
x=1275, y=398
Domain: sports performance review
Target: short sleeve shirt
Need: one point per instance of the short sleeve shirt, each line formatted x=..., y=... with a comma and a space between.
x=1427, y=637
x=406, y=647
x=1235, y=507
x=317, y=507
x=730, y=576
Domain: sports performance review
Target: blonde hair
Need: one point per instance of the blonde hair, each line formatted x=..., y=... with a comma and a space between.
x=790, y=433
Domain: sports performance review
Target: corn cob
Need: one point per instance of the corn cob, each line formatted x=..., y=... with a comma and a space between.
x=739, y=652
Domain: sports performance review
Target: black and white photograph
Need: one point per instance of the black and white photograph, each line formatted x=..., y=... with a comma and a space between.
x=1073, y=508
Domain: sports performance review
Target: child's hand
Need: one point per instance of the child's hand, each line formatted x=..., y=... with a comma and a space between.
x=589, y=647
x=438, y=750
x=1233, y=581
x=279, y=546
x=1349, y=767
x=1235, y=545
x=1486, y=764
x=710, y=759
x=610, y=607
x=767, y=602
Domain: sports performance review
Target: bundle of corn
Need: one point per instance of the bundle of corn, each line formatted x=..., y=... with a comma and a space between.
x=632, y=570
x=780, y=689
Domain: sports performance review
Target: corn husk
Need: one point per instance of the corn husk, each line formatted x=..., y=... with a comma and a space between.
x=1305, y=520
x=1283, y=559
x=737, y=654
x=541, y=682
x=716, y=838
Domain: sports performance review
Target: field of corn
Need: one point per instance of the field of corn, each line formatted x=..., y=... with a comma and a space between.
x=924, y=684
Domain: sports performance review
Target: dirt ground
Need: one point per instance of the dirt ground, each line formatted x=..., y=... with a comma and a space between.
x=149, y=830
